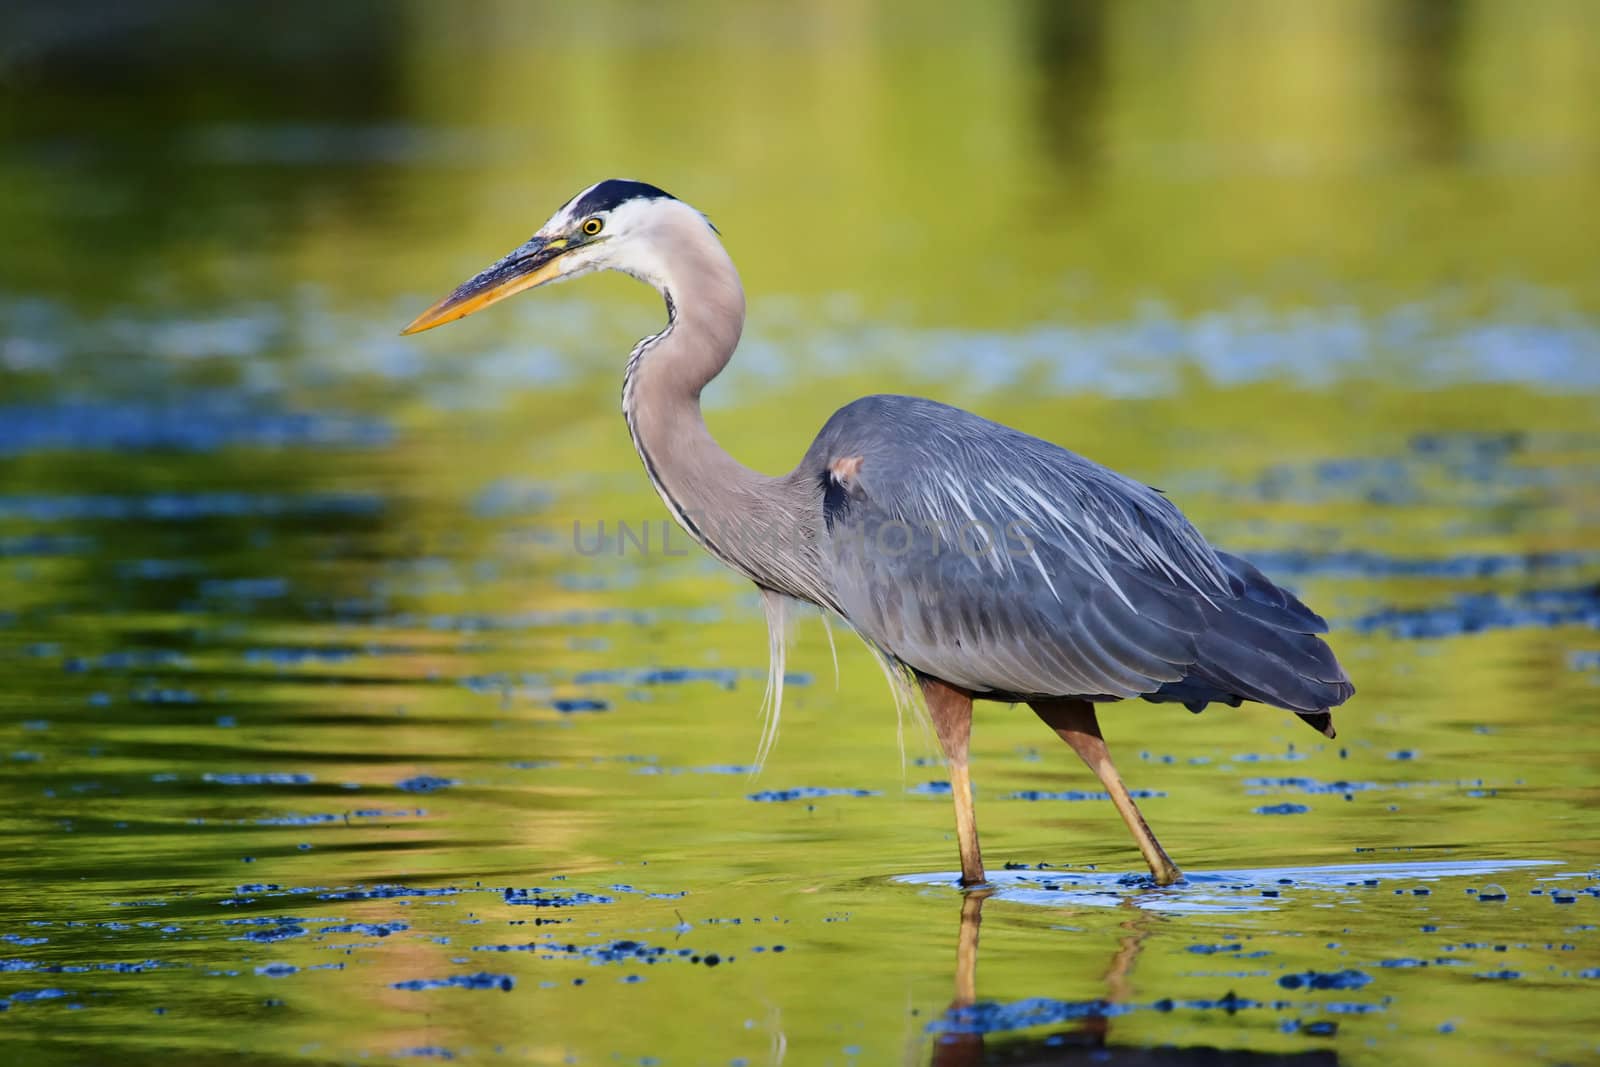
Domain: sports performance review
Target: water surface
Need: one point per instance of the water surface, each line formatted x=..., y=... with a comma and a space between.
x=328, y=736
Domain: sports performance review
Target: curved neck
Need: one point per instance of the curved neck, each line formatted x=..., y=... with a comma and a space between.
x=758, y=525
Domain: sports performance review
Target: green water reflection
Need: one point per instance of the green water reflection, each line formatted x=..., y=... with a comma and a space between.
x=290, y=608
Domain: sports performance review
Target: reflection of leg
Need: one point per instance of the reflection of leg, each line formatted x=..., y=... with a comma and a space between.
x=1075, y=722
x=967, y=950
x=1119, y=972
x=1118, y=990
x=951, y=711
x=964, y=1049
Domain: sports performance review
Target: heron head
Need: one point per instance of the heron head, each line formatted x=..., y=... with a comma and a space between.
x=614, y=225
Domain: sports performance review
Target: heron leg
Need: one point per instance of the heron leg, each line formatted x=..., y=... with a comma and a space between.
x=1074, y=721
x=951, y=711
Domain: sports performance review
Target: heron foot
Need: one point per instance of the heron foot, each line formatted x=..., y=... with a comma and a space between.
x=1166, y=874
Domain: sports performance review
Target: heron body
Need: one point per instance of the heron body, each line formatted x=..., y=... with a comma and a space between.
x=979, y=561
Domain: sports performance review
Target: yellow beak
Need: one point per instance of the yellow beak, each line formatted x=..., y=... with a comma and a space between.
x=531, y=265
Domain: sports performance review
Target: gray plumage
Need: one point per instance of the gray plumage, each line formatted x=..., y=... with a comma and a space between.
x=1112, y=594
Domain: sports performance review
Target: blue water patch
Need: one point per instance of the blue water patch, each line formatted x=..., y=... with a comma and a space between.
x=941, y=789
x=715, y=768
x=28, y=996
x=532, y=620
x=481, y=980
x=988, y=1017
x=724, y=677
x=540, y=898
x=38, y=545
x=568, y=707
x=273, y=934
x=366, y=929
x=1157, y=349
x=1347, y=979
x=810, y=792
x=388, y=892
x=501, y=682
x=1078, y=794
x=425, y=783
x=1290, y=756
x=1298, y=563
x=180, y=507
x=1309, y=785
x=1468, y=613
x=196, y=423
x=1216, y=892
x=1584, y=660
x=299, y=657
x=1282, y=809
x=1235, y=951
x=126, y=660
x=157, y=570
x=273, y=588
x=1436, y=469
x=325, y=818
x=258, y=778
x=160, y=695
x=624, y=950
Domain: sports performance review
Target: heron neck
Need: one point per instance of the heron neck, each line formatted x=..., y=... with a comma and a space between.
x=754, y=523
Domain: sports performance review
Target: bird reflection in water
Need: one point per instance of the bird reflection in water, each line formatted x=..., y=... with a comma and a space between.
x=966, y=1035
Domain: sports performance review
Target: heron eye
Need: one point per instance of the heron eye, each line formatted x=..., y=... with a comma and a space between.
x=593, y=226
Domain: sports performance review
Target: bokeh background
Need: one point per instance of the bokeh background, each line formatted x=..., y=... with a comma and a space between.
x=310, y=694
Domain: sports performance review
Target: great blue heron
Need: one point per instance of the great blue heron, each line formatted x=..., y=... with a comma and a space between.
x=979, y=561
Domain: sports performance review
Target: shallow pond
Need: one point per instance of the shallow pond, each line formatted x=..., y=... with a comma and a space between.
x=334, y=730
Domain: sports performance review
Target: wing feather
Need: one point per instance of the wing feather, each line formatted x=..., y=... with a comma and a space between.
x=1094, y=584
